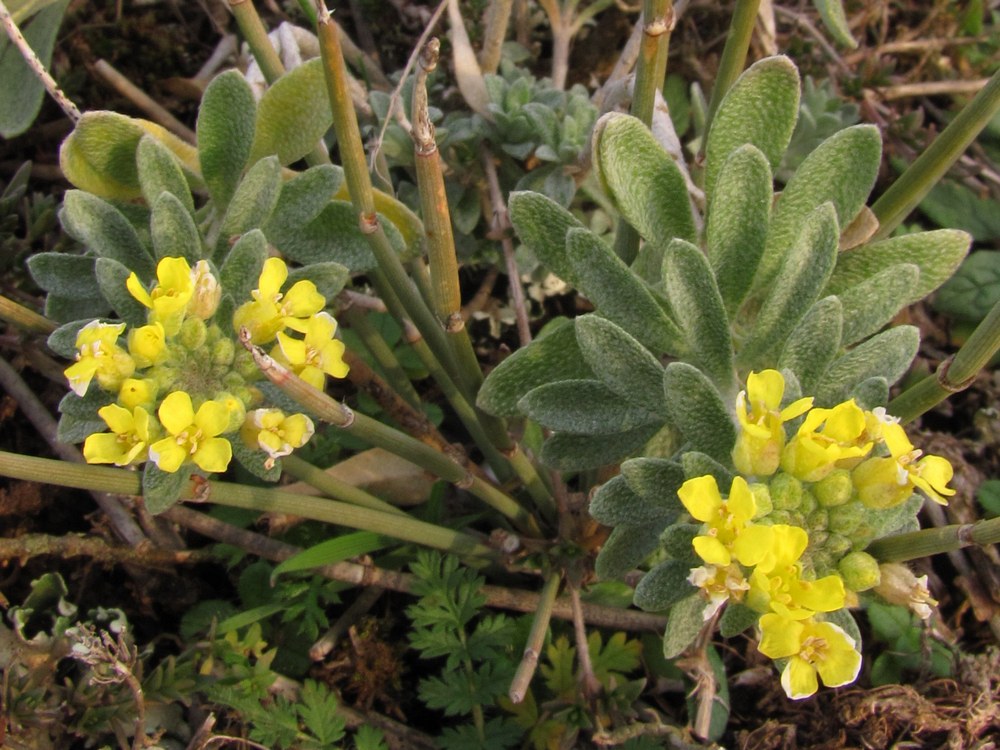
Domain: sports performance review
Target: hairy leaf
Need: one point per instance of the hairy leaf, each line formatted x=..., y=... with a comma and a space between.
x=584, y=407
x=621, y=362
x=292, y=115
x=226, y=123
x=241, y=269
x=111, y=277
x=625, y=548
x=159, y=171
x=579, y=452
x=254, y=200
x=173, y=230
x=64, y=274
x=868, y=306
x=542, y=224
x=663, y=586
x=814, y=342
x=887, y=355
x=105, y=230
x=615, y=503
x=697, y=409
x=684, y=623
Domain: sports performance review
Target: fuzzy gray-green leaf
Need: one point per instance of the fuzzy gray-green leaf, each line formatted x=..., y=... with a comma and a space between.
x=301, y=200
x=159, y=172
x=334, y=235
x=760, y=109
x=553, y=356
x=617, y=293
x=871, y=393
x=842, y=171
x=615, y=504
x=173, y=230
x=868, y=306
x=621, y=362
x=567, y=452
x=936, y=253
x=64, y=274
x=835, y=20
x=737, y=224
x=254, y=199
x=737, y=618
x=226, y=123
x=697, y=464
x=293, y=114
x=86, y=406
x=61, y=309
x=697, y=409
x=105, y=231
x=542, y=224
x=624, y=549
x=161, y=489
x=240, y=271
x=684, y=623
x=697, y=307
x=814, y=342
x=643, y=179
x=71, y=430
x=887, y=355
x=804, y=271
x=663, y=586
x=111, y=278
x=584, y=407
x=656, y=479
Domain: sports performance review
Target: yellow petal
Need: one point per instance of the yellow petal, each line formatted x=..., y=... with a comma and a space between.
x=711, y=550
x=272, y=276
x=742, y=507
x=176, y=414
x=103, y=448
x=213, y=455
x=293, y=349
x=753, y=544
x=212, y=418
x=137, y=290
x=767, y=386
x=799, y=679
x=779, y=636
x=701, y=497
x=118, y=419
x=303, y=300
x=167, y=454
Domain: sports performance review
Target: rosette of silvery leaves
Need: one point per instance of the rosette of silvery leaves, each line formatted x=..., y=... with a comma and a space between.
x=225, y=206
x=743, y=280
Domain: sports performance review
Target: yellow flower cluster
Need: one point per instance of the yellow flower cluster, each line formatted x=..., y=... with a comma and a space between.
x=798, y=511
x=183, y=388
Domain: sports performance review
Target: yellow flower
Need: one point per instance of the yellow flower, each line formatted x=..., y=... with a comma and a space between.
x=137, y=392
x=206, y=291
x=274, y=433
x=128, y=441
x=762, y=435
x=885, y=482
x=812, y=648
x=170, y=295
x=724, y=518
x=718, y=584
x=148, y=345
x=317, y=355
x=98, y=355
x=271, y=311
x=828, y=439
x=192, y=436
x=776, y=583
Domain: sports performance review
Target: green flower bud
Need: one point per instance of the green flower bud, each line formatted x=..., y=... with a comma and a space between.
x=237, y=409
x=243, y=364
x=193, y=333
x=818, y=520
x=860, y=571
x=809, y=503
x=837, y=545
x=835, y=489
x=782, y=516
x=762, y=497
x=786, y=492
x=223, y=352
x=844, y=519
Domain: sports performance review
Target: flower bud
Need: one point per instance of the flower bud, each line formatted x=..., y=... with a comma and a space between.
x=844, y=519
x=834, y=489
x=762, y=498
x=237, y=410
x=900, y=586
x=207, y=292
x=860, y=571
x=193, y=333
x=138, y=392
x=818, y=520
x=223, y=352
x=808, y=504
x=837, y=545
x=882, y=483
x=786, y=492
x=147, y=345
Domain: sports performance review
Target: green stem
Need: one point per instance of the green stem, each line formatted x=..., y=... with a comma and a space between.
x=334, y=488
x=926, y=542
x=658, y=21
x=905, y=194
x=376, y=344
x=375, y=433
x=124, y=482
x=952, y=376
x=28, y=320
x=734, y=55
x=536, y=639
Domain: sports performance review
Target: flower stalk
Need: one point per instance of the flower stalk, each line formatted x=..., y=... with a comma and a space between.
x=25, y=319
x=536, y=639
x=954, y=375
x=905, y=193
x=734, y=55
x=927, y=542
x=125, y=482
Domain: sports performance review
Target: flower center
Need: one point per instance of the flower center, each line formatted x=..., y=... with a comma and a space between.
x=814, y=649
